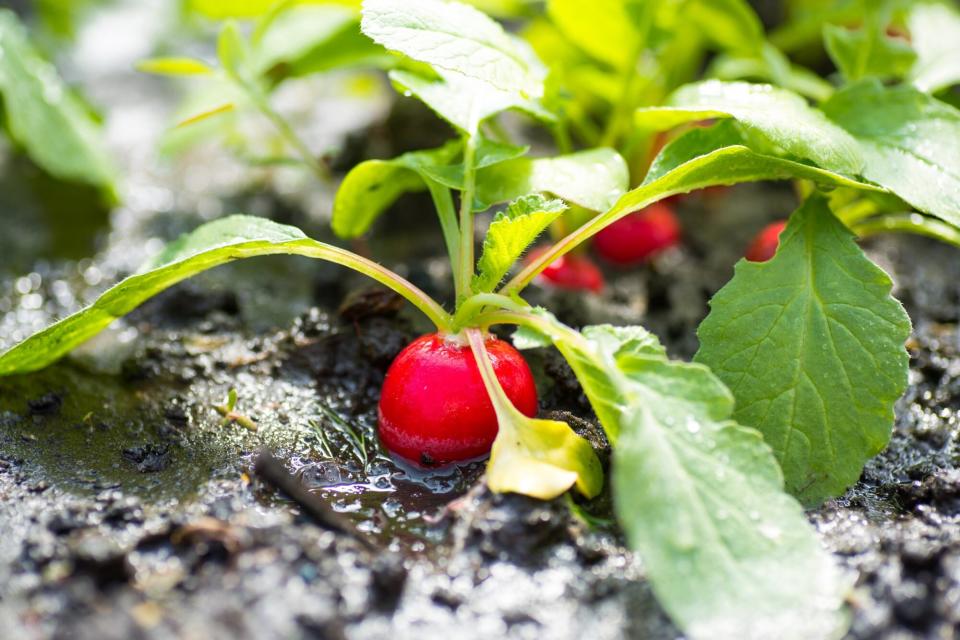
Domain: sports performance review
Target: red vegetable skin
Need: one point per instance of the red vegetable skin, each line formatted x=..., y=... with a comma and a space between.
x=639, y=236
x=765, y=244
x=434, y=408
x=572, y=272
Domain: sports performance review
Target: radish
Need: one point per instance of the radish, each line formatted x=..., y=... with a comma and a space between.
x=638, y=236
x=434, y=408
x=765, y=244
x=573, y=272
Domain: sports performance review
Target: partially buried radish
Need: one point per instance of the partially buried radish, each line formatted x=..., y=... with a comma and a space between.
x=573, y=272
x=434, y=408
x=638, y=236
x=765, y=244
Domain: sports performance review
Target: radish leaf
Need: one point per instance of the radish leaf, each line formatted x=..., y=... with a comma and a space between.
x=463, y=101
x=593, y=179
x=219, y=242
x=812, y=345
x=728, y=553
x=372, y=186
x=935, y=36
x=44, y=117
x=604, y=29
x=510, y=233
x=867, y=52
x=454, y=37
x=782, y=117
x=910, y=140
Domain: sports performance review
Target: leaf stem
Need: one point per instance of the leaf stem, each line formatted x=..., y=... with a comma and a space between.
x=523, y=318
x=624, y=106
x=471, y=307
x=465, y=267
x=910, y=223
x=386, y=277
x=860, y=209
x=633, y=83
x=561, y=137
x=571, y=240
x=287, y=132
x=501, y=403
x=443, y=203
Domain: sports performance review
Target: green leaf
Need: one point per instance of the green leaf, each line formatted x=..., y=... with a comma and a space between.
x=593, y=179
x=347, y=48
x=174, y=66
x=698, y=159
x=490, y=152
x=232, y=51
x=210, y=245
x=744, y=160
x=462, y=101
x=372, y=186
x=604, y=29
x=225, y=240
x=716, y=156
x=732, y=25
x=299, y=31
x=812, y=345
x=781, y=116
x=44, y=117
x=510, y=233
x=911, y=142
x=935, y=35
x=728, y=553
x=453, y=37
x=773, y=67
x=867, y=52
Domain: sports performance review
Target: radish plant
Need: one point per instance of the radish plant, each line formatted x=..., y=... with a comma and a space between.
x=41, y=116
x=802, y=355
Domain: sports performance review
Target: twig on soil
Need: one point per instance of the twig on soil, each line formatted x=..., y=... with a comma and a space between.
x=269, y=469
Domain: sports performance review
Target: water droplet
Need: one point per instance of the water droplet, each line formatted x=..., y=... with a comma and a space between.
x=770, y=531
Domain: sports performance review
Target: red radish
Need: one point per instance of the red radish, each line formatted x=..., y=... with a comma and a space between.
x=572, y=272
x=434, y=408
x=765, y=244
x=638, y=236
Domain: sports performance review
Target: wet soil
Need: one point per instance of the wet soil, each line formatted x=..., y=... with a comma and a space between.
x=130, y=509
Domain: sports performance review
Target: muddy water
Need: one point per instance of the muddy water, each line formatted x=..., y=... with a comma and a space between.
x=128, y=509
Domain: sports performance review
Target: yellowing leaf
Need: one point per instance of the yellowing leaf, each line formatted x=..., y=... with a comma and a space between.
x=209, y=113
x=174, y=66
x=538, y=458
x=541, y=459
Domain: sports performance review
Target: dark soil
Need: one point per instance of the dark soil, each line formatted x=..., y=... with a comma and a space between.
x=129, y=509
